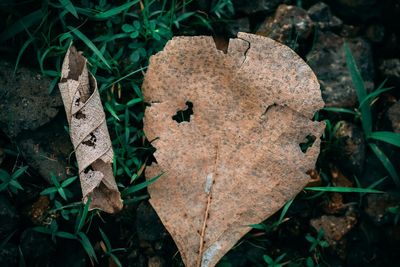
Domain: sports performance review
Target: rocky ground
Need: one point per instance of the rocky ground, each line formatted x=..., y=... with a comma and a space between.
x=359, y=230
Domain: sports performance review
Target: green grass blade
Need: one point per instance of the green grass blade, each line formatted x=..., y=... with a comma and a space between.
x=68, y=181
x=87, y=246
x=388, y=137
x=133, y=102
x=19, y=172
x=112, y=111
x=340, y=189
x=62, y=193
x=42, y=229
x=370, y=97
x=140, y=186
x=16, y=184
x=386, y=163
x=89, y=44
x=48, y=191
x=284, y=211
x=340, y=110
x=360, y=90
x=126, y=76
x=106, y=240
x=65, y=235
x=373, y=95
x=21, y=52
x=67, y=4
x=22, y=24
x=114, y=11
x=82, y=219
x=116, y=260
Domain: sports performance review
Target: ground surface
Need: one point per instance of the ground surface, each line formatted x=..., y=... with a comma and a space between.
x=42, y=222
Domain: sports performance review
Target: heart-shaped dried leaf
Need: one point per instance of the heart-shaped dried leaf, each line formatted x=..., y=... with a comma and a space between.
x=234, y=156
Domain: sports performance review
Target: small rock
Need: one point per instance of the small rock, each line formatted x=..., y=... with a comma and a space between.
x=334, y=204
x=377, y=205
x=149, y=226
x=339, y=179
x=321, y=14
x=35, y=245
x=393, y=115
x=351, y=142
x=38, y=213
x=156, y=261
x=334, y=227
x=8, y=217
x=390, y=68
x=288, y=25
x=328, y=61
x=25, y=101
x=250, y=7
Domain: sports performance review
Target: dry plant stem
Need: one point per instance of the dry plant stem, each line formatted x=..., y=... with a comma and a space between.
x=257, y=100
x=209, y=185
x=89, y=133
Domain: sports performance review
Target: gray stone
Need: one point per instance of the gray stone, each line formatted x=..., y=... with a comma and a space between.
x=322, y=16
x=25, y=101
x=33, y=119
x=328, y=61
x=288, y=25
x=393, y=115
x=390, y=68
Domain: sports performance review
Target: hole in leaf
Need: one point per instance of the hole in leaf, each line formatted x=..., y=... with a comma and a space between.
x=91, y=141
x=80, y=115
x=77, y=101
x=88, y=168
x=184, y=115
x=310, y=139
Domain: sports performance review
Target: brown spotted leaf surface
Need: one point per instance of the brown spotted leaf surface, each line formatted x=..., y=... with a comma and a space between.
x=89, y=133
x=238, y=160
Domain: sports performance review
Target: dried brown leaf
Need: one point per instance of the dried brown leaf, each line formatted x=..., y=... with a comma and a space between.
x=89, y=133
x=238, y=160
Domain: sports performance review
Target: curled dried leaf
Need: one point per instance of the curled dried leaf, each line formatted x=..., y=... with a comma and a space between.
x=89, y=133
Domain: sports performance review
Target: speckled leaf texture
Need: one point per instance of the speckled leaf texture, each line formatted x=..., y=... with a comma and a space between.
x=238, y=160
x=89, y=133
